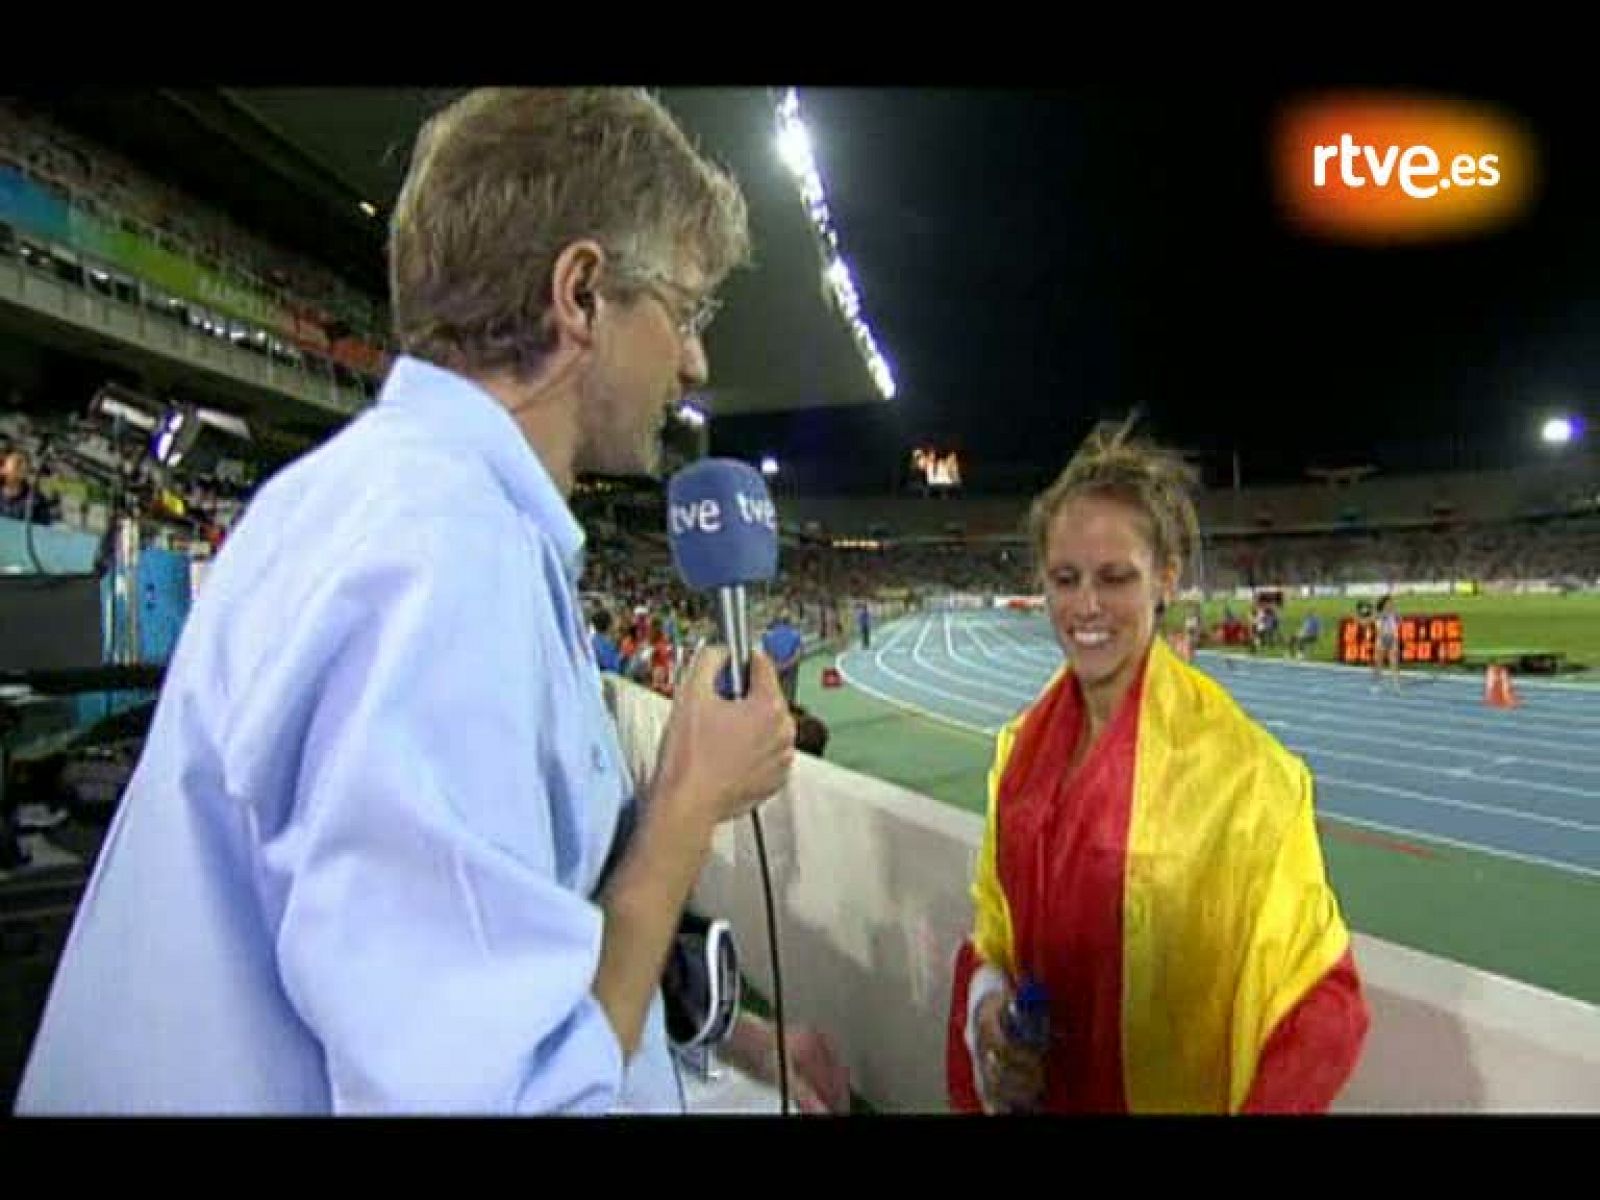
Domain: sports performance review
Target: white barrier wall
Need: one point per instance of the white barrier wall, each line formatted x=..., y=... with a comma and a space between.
x=870, y=882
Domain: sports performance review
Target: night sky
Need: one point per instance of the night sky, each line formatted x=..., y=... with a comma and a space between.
x=1033, y=261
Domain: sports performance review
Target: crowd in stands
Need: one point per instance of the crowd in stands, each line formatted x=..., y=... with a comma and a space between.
x=72, y=469
x=1553, y=549
x=923, y=567
x=103, y=183
x=819, y=586
x=56, y=470
x=630, y=576
x=1559, y=485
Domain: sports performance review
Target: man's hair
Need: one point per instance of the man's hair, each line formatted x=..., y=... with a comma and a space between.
x=1151, y=479
x=504, y=179
x=602, y=622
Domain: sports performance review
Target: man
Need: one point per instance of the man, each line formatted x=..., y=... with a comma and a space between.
x=660, y=658
x=363, y=863
x=20, y=497
x=864, y=624
x=606, y=655
x=783, y=643
x=1310, y=634
x=1194, y=625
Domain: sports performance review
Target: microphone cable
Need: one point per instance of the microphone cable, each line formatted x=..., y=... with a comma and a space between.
x=777, y=971
x=772, y=948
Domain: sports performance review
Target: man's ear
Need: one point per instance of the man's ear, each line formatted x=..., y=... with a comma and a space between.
x=575, y=290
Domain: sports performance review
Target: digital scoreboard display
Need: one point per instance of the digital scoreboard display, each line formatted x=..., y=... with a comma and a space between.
x=1434, y=638
x=934, y=469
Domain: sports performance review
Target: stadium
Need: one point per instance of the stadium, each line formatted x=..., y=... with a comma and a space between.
x=193, y=297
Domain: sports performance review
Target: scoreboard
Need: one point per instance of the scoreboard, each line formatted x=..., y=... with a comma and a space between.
x=1430, y=639
x=936, y=469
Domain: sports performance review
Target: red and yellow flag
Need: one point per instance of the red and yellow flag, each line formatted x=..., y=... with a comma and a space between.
x=1170, y=894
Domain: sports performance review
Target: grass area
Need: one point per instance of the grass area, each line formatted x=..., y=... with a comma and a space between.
x=1514, y=919
x=943, y=761
x=1568, y=625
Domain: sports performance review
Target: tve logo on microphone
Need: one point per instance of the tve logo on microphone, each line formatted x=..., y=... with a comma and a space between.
x=705, y=514
x=722, y=524
x=1378, y=167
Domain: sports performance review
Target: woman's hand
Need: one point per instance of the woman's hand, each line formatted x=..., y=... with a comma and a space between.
x=1012, y=1073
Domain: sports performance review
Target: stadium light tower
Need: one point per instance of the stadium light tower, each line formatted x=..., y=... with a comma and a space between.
x=1559, y=431
x=769, y=466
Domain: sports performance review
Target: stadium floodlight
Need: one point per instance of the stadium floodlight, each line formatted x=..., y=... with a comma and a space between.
x=1558, y=431
x=196, y=436
x=769, y=466
x=368, y=208
x=177, y=434
x=226, y=422
x=114, y=402
x=794, y=148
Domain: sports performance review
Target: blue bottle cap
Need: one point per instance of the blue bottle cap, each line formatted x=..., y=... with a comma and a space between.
x=1031, y=997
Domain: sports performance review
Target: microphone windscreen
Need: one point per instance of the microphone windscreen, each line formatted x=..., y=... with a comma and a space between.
x=722, y=525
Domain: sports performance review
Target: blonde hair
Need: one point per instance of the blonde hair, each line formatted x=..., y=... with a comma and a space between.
x=504, y=179
x=1147, y=477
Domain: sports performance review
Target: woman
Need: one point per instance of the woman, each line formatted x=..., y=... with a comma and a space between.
x=1150, y=855
x=662, y=659
x=1386, y=647
x=1194, y=626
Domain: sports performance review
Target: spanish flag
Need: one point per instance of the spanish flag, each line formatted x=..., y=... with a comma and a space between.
x=1170, y=895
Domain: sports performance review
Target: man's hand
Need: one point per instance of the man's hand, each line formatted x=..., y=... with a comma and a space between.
x=819, y=1081
x=718, y=760
x=724, y=757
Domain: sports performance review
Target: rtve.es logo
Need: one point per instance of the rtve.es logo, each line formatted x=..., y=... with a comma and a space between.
x=1419, y=168
x=1371, y=167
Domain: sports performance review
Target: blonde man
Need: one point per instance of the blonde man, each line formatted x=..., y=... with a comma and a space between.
x=360, y=865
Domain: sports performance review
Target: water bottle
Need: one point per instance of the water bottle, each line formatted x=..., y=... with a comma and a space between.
x=1026, y=1020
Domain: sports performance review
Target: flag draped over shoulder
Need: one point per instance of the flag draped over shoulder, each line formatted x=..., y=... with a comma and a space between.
x=1170, y=894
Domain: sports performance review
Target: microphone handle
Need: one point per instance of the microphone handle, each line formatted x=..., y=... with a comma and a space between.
x=733, y=618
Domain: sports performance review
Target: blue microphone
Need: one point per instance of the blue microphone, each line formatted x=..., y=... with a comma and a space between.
x=724, y=534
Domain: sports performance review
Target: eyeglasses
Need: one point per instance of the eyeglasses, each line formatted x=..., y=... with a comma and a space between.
x=700, y=312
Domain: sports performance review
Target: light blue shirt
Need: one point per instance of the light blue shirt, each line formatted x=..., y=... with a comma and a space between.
x=352, y=870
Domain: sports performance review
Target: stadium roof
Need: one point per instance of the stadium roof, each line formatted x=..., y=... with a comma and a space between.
x=297, y=164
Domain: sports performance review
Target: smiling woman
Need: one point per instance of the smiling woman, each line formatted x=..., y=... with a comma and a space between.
x=1111, y=536
x=1150, y=858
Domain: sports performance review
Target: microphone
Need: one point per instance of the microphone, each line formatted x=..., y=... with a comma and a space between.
x=723, y=529
x=724, y=535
